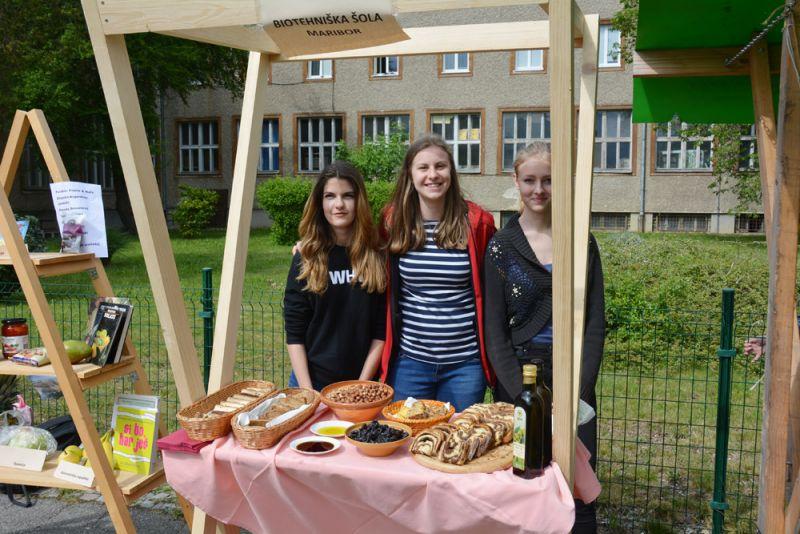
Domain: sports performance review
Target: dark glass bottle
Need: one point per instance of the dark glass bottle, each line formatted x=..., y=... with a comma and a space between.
x=527, y=439
x=547, y=417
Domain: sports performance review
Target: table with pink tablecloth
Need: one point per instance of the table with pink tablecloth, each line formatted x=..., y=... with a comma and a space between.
x=280, y=490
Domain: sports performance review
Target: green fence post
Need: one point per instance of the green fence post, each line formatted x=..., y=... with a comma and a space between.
x=725, y=354
x=207, y=314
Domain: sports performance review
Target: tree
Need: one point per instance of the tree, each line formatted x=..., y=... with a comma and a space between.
x=47, y=62
x=734, y=167
x=377, y=160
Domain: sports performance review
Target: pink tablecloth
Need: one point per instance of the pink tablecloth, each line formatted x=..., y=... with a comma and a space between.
x=279, y=490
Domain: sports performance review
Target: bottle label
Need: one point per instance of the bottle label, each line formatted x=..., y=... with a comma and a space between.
x=519, y=438
x=14, y=344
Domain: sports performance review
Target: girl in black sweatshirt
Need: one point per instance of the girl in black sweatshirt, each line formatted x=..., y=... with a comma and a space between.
x=334, y=307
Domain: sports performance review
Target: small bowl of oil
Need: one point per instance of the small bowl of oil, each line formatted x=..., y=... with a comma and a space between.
x=331, y=429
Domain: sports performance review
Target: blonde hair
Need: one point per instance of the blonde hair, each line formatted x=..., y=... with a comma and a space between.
x=317, y=238
x=405, y=229
x=537, y=149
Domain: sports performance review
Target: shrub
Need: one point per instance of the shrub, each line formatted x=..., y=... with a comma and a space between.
x=283, y=199
x=376, y=160
x=115, y=240
x=195, y=210
x=379, y=194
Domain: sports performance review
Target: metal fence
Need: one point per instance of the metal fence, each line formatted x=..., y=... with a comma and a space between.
x=657, y=397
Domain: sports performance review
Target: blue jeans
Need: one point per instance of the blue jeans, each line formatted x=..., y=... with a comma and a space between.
x=294, y=384
x=460, y=384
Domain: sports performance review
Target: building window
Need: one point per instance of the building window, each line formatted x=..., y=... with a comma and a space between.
x=748, y=159
x=320, y=69
x=386, y=66
x=374, y=127
x=463, y=133
x=608, y=55
x=455, y=63
x=96, y=169
x=616, y=222
x=520, y=128
x=612, y=141
x=529, y=61
x=198, y=147
x=317, y=138
x=673, y=222
x=269, y=157
x=749, y=223
x=675, y=152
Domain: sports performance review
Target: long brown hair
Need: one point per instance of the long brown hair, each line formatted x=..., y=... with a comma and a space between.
x=317, y=238
x=406, y=230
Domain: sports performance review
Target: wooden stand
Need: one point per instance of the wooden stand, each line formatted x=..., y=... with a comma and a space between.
x=118, y=489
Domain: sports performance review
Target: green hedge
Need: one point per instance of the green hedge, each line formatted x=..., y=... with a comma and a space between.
x=283, y=198
x=195, y=210
x=379, y=194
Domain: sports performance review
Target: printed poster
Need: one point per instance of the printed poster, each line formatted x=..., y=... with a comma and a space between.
x=314, y=27
x=80, y=215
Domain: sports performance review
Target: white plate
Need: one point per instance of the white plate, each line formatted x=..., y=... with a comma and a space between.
x=335, y=442
x=317, y=427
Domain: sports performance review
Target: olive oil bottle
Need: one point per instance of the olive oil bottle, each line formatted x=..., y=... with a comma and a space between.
x=528, y=428
x=547, y=416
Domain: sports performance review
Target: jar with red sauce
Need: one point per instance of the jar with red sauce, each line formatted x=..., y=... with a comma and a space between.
x=15, y=336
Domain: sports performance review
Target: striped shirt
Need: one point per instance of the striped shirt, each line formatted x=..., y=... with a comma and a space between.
x=437, y=303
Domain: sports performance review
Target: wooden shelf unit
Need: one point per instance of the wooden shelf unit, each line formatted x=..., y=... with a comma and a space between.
x=119, y=488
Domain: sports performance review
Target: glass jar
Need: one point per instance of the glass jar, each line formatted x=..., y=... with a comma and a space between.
x=15, y=336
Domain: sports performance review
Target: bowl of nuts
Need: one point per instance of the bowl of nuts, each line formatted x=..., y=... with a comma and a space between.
x=357, y=400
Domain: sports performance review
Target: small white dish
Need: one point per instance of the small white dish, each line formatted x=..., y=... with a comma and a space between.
x=330, y=429
x=297, y=445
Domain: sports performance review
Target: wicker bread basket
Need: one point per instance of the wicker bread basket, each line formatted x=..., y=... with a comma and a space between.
x=202, y=428
x=257, y=436
x=417, y=425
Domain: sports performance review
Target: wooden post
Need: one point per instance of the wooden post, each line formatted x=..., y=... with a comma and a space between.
x=583, y=188
x=134, y=154
x=240, y=214
x=783, y=263
x=561, y=120
x=13, y=151
x=47, y=145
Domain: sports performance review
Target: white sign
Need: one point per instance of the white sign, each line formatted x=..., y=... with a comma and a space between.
x=75, y=473
x=319, y=26
x=19, y=458
x=79, y=210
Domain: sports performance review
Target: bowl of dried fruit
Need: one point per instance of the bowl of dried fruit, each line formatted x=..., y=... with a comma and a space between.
x=378, y=438
x=357, y=400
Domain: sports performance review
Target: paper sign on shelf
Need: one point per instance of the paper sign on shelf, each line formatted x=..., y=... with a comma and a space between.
x=79, y=208
x=75, y=473
x=320, y=26
x=19, y=458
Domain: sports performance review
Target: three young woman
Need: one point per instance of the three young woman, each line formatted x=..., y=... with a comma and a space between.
x=519, y=299
x=334, y=307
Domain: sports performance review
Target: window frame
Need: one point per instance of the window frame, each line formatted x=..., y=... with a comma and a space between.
x=501, y=137
x=481, y=112
x=752, y=138
x=364, y=114
x=610, y=214
x=633, y=139
x=706, y=216
x=182, y=120
x=374, y=76
x=513, y=62
x=655, y=171
x=236, y=119
x=296, y=131
x=307, y=71
x=621, y=66
x=454, y=73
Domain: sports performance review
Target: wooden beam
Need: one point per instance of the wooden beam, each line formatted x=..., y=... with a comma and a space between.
x=584, y=168
x=693, y=62
x=793, y=509
x=415, y=6
x=47, y=145
x=137, y=16
x=240, y=214
x=765, y=127
x=13, y=151
x=781, y=319
x=577, y=17
x=561, y=120
x=134, y=153
x=438, y=39
x=243, y=37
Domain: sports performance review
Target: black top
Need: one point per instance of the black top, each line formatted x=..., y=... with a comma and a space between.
x=336, y=327
x=519, y=302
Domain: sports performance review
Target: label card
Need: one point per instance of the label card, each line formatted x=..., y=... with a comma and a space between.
x=19, y=458
x=75, y=473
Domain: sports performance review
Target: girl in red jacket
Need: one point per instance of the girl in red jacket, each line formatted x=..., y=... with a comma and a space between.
x=435, y=242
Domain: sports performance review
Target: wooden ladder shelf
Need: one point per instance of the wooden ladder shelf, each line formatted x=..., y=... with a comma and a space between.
x=120, y=488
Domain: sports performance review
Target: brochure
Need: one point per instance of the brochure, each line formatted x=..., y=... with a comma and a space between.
x=135, y=424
